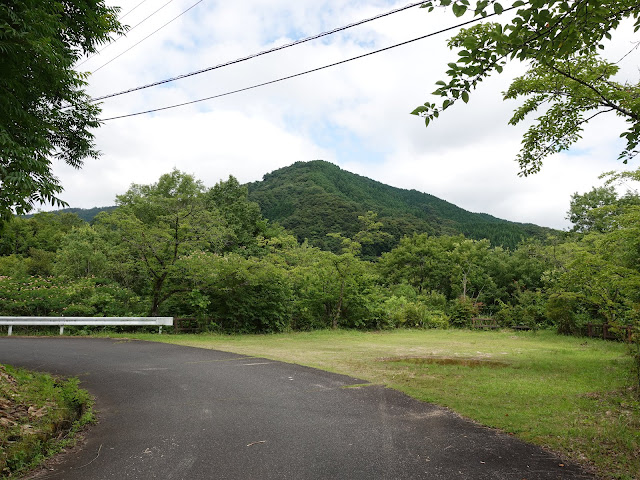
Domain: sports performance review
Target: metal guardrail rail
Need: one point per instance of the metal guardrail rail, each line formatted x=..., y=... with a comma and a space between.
x=85, y=321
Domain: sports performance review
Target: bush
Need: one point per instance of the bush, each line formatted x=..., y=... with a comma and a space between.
x=461, y=311
x=529, y=308
x=401, y=312
x=561, y=311
x=436, y=319
x=244, y=295
x=434, y=300
x=44, y=296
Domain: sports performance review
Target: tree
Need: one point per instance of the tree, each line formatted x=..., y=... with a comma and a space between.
x=371, y=237
x=469, y=275
x=158, y=224
x=241, y=215
x=44, y=112
x=241, y=294
x=83, y=253
x=596, y=211
x=423, y=262
x=560, y=40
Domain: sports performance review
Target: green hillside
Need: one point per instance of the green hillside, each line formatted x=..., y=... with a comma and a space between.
x=314, y=198
x=86, y=214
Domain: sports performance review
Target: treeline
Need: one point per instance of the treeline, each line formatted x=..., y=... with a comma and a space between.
x=179, y=249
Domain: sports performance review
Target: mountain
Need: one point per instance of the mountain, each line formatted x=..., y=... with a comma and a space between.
x=314, y=198
x=86, y=214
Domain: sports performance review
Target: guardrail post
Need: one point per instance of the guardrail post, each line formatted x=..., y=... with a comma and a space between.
x=10, y=330
x=61, y=329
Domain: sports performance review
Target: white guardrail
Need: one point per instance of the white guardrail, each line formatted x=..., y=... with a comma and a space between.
x=86, y=321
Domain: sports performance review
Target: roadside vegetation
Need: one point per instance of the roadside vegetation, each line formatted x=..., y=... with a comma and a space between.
x=39, y=416
x=568, y=394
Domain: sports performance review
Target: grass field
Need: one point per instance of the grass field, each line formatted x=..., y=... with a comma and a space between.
x=567, y=394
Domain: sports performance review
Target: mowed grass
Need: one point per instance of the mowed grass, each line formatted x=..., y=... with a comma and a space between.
x=568, y=394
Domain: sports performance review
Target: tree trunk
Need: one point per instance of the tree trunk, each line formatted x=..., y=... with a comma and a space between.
x=334, y=325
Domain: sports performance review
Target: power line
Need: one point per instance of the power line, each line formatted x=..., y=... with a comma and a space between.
x=152, y=33
x=132, y=9
x=128, y=31
x=281, y=79
x=264, y=52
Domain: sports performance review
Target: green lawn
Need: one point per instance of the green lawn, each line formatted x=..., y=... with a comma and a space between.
x=565, y=393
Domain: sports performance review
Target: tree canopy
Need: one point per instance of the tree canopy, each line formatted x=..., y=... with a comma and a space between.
x=45, y=114
x=567, y=78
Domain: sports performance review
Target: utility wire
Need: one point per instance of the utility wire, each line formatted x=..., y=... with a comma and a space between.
x=281, y=79
x=152, y=33
x=130, y=30
x=132, y=9
x=264, y=52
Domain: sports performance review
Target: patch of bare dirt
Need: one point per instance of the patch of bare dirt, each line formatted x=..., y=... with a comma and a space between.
x=465, y=362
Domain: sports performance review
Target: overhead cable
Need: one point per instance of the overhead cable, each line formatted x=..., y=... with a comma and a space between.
x=128, y=31
x=132, y=10
x=264, y=52
x=152, y=33
x=288, y=77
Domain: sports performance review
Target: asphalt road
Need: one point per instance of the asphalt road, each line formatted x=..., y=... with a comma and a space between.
x=171, y=412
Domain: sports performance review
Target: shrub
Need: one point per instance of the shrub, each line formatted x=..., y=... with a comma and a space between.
x=401, y=312
x=44, y=296
x=436, y=319
x=461, y=311
x=561, y=310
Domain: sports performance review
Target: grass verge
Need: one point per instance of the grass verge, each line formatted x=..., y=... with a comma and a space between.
x=39, y=416
x=567, y=394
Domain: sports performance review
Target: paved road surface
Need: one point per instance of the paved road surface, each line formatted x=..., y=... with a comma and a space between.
x=171, y=412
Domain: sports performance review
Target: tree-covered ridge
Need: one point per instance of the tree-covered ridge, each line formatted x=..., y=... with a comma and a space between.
x=86, y=214
x=314, y=198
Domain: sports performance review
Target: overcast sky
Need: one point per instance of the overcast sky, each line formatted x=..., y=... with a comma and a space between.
x=355, y=115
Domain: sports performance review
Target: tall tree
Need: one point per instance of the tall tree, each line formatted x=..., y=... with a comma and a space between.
x=158, y=224
x=45, y=114
x=596, y=211
x=241, y=215
x=559, y=39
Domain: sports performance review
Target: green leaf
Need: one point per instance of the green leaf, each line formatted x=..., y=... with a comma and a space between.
x=465, y=97
x=497, y=8
x=458, y=10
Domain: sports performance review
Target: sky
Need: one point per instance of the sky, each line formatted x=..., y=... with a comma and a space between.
x=355, y=115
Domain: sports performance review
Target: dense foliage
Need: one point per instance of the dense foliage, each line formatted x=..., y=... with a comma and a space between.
x=45, y=114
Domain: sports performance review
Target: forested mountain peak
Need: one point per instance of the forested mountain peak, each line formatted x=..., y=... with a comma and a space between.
x=314, y=198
